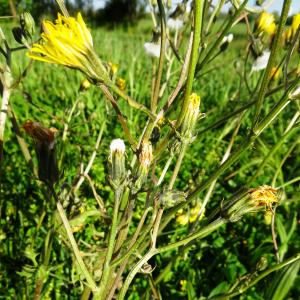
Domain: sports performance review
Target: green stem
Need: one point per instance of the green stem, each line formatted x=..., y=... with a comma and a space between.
x=198, y=15
x=274, y=50
x=161, y=56
x=113, y=233
x=258, y=278
x=200, y=234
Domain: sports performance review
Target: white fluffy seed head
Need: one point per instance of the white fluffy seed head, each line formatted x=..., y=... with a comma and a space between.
x=261, y=62
x=117, y=145
x=174, y=24
x=152, y=49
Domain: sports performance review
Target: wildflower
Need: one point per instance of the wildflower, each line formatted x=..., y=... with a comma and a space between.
x=117, y=160
x=174, y=24
x=264, y=196
x=121, y=83
x=183, y=284
x=275, y=73
x=85, y=85
x=152, y=49
x=191, y=217
x=265, y=23
x=44, y=139
x=68, y=42
x=295, y=23
x=113, y=68
x=261, y=62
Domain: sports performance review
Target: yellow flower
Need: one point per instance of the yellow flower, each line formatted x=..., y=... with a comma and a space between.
x=69, y=42
x=121, y=83
x=264, y=196
x=266, y=23
x=295, y=23
x=182, y=219
x=275, y=73
x=84, y=85
x=183, y=283
x=113, y=68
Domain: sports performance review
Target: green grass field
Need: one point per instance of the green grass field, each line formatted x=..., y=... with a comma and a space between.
x=50, y=94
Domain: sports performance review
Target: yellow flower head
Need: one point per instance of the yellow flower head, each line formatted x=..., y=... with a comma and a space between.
x=113, y=67
x=265, y=23
x=275, y=73
x=295, y=23
x=182, y=219
x=68, y=42
x=121, y=83
x=264, y=196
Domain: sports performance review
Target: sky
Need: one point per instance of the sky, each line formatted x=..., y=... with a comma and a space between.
x=276, y=6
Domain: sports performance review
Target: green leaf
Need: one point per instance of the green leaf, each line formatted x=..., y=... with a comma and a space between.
x=283, y=282
x=281, y=230
x=221, y=288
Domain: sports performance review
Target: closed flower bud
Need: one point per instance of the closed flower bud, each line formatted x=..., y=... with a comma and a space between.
x=27, y=24
x=145, y=158
x=117, y=161
x=191, y=116
x=18, y=34
x=261, y=264
x=44, y=139
x=226, y=41
x=171, y=198
x=275, y=73
x=121, y=83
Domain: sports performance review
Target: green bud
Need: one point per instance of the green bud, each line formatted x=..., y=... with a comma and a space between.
x=171, y=198
x=261, y=264
x=153, y=2
x=117, y=160
x=145, y=159
x=27, y=24
x=191, y=116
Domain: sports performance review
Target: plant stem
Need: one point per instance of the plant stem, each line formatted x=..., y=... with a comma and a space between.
x=274, y=50
x=161, y=56
x=3, y=115
x=262, y=275
x=101, y=294
x=198, y=15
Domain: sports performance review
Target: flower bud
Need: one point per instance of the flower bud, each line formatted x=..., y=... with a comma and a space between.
x=191, y=116
x=117, y=160
x=145, y=158
x=113, y=68
x=44, y=139
x=27, y=24
x=265, y=23
x=226, y=41
x=261, y=264
x=171, y=198
x=18, y=35
x=248, y=201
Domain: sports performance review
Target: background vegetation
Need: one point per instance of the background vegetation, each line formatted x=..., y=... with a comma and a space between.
x=47, y=95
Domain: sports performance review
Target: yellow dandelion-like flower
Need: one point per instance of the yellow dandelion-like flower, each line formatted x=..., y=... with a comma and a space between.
x=113, y=67
x=69, y=42
x=266, y=23
x=295, y=23
x=275, y=73
x=194, y=213
x=182, y=219
x=264, y=196
x=121, y=83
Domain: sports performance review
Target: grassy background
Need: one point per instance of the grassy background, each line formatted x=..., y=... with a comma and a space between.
x=47, y=94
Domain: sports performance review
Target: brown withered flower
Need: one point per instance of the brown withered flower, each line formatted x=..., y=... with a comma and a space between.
x=44, y=140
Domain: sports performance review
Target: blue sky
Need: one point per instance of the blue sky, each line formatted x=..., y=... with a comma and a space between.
x=276, y=6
